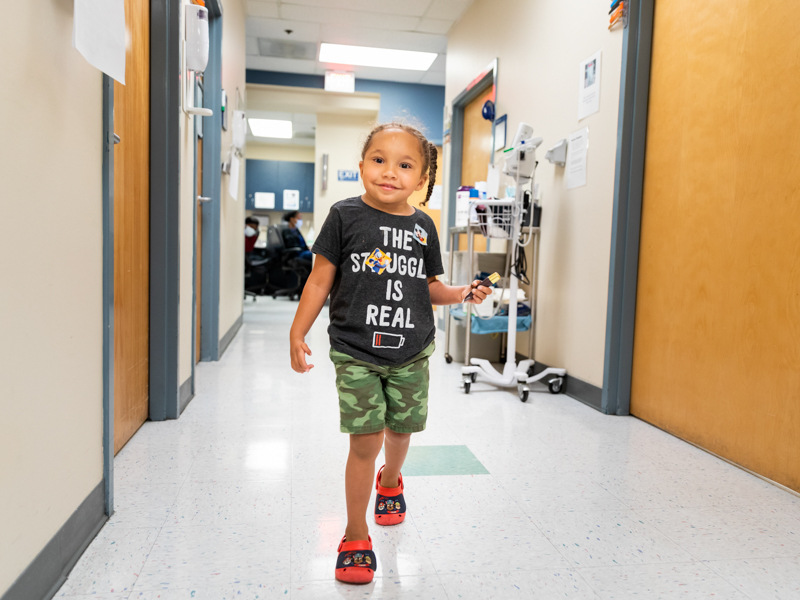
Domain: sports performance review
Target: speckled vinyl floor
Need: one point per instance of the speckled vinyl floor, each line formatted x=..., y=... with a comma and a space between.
x=242, y=498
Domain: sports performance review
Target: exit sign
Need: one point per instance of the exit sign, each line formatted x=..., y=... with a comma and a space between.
x=345, y=175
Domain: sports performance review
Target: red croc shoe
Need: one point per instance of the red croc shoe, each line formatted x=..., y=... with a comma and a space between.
x=390, y=506
x=356, y=562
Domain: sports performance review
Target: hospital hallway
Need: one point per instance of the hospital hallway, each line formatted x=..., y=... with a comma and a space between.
x=243, y=497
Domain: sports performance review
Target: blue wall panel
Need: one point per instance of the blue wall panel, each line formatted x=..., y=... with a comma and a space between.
x=411, y=101
x=275, y=176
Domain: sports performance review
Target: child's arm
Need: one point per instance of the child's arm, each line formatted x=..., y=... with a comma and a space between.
x=315, y=293
x=448, y=294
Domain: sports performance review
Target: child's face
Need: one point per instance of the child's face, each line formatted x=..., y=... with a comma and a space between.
x=392, y=167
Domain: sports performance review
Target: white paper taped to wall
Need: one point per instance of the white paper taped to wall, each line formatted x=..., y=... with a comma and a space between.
x=576, y=158
x=589, y=86
x=435, y=203
x=98, y=33
x=233, y=183
x=291, y=199
x=264, y=200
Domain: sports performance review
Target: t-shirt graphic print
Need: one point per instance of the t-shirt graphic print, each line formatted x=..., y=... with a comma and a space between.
x=380, y=306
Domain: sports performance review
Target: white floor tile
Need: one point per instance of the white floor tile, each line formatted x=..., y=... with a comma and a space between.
x=519, y=585
x=233, y=502
x=457, y=495
x=550, y=491
x=721, y=533
x=482, y=543
x=219, y=556
x=112, y=562
x=665, y=582
x=271, y=591
x=762, y=578
x=607, y=538
x=242, y=498
x=143, y=505
x=381, y=588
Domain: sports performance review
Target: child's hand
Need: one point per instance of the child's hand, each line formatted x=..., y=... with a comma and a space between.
x=298, y=350
x=479, y=292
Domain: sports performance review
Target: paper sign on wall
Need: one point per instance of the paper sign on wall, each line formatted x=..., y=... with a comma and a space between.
x=239, y=129
x=589, y=86
x=233, y=182
x=435, y=203
x=264, y=200
x=348, y=175
x=98, y=33
x=576, y=158
x=291, y=199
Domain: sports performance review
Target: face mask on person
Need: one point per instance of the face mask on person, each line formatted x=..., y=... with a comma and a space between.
x=249, y=231
x=299, y=223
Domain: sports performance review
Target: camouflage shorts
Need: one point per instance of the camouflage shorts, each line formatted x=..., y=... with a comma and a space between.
x=372, y=397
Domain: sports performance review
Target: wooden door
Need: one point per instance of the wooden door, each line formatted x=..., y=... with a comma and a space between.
x=132, y=230
x=476, y=152
x=199, y=249
x=717, y=342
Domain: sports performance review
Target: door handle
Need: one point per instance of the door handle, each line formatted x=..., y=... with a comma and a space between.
x=203, y=199
x=117, y=139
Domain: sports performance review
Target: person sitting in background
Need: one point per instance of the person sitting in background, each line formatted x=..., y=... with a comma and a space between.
x=292, y=238
x=251, y=225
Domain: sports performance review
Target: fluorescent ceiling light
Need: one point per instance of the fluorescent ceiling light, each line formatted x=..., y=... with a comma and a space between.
x=271, y=128
x=376, y=57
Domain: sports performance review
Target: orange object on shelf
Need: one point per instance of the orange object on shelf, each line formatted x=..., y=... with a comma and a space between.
x=200, y=2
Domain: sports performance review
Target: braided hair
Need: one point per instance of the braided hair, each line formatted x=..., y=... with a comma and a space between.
x=430, y=157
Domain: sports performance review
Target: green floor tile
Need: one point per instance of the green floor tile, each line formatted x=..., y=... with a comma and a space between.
x=442, y=460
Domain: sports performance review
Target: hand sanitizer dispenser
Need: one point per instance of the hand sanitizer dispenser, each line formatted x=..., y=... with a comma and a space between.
x=196, y=37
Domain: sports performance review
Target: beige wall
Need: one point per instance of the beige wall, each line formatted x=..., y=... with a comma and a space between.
x=539, y=51
x=341, y=138
x=280, y=152
x=51, y=433
x=231, y=259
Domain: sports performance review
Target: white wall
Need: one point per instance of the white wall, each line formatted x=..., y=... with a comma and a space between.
x=231, y=260
x=341, y=138
x=51, y=454
x=539, y=52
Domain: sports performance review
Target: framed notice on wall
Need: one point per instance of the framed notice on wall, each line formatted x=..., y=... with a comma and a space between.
x=291, y=199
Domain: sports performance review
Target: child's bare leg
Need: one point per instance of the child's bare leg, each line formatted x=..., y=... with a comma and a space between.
x=396, y=450
x=359, y=478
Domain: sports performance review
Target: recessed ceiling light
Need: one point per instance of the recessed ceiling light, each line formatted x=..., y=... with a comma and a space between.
x=376, y=57
x=270, y=128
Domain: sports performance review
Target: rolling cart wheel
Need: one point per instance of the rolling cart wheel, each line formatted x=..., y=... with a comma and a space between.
x=523, y=395
x=473, y=377
x=554, y=385
x=467, y=385
x=448, y=359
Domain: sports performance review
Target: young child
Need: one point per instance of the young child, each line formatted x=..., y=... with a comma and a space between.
x=378, y=258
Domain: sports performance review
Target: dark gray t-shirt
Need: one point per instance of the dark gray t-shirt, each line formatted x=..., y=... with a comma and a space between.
x=380, y=310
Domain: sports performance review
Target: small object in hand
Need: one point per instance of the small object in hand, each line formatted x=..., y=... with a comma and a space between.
x=488, y=282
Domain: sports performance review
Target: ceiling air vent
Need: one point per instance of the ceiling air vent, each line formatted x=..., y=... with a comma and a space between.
x=308, y=135
x=287, y=49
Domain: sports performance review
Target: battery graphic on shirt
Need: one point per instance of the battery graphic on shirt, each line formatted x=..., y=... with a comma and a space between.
x=387, y=340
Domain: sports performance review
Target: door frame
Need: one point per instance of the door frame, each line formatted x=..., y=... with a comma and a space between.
x=165, y=98
x=108, y=293
x=212, y=186
x=467, y=95
x=626, y=220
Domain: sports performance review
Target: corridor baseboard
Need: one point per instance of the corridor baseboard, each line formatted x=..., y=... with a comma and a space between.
x=589, y=394
x=185, y=395
x=51, y=567
x=228, y=337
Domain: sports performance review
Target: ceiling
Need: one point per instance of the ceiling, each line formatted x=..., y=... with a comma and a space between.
x=304, y=128
x=400, y=25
